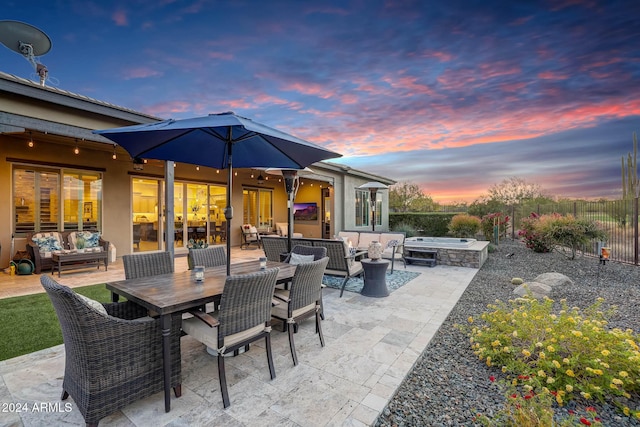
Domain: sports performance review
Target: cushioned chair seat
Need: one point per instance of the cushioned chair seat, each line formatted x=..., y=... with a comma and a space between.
x=209, y=335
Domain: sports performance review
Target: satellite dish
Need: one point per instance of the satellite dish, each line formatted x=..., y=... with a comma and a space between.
x=28, y=41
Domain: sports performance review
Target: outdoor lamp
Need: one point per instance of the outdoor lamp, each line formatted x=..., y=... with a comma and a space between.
x=138, y=164
x=290, y=176
x=373, y=188
x=260, y=179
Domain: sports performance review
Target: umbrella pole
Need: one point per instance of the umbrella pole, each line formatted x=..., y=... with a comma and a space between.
x=228, y=211
x=289, y=220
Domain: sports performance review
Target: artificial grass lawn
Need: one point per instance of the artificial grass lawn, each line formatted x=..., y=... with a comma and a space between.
x=29, y=323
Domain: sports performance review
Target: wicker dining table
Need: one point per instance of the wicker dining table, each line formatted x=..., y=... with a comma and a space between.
x=178, y=292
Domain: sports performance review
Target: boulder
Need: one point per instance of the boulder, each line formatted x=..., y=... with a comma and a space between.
x=538, y=290
x=553, y=279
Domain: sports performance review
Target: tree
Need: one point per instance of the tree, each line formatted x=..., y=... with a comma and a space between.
x=408, y=197
x=514, y=190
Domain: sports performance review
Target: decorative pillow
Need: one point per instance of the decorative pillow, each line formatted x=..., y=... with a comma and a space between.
x=300, y=259
x=392, y=243
x=91, y=239
x=47, y=243
x=93, y=304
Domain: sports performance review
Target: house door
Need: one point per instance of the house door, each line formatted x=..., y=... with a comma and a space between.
x=326, y=213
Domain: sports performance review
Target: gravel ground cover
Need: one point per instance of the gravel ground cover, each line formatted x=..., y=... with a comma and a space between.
x=449, y=384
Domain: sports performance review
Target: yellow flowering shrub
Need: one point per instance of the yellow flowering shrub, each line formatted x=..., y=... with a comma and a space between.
x=582, y=357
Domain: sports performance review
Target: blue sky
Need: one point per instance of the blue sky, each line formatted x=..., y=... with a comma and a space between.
x=451, y=95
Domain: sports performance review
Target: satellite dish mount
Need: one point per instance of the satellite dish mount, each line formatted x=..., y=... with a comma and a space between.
x=29, y=42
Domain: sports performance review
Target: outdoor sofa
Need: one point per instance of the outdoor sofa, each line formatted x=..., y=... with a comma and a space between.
x=392, y=243
x=41, y=246
x=342, y=262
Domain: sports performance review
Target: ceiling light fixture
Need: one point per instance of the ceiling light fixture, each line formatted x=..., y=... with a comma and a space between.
x=138, y=164
x=114, y=156
x=197, y=168
x=260, y=179
x=76, y=150
x=30, y=143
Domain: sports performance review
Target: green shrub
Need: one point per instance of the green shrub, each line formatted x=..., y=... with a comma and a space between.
x=425, y=224
x=405, y=228
x=566, y=352
x=533, y=238
x=463, y=225
x=570, y=232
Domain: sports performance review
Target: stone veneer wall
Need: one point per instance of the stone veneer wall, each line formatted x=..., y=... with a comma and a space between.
x=472, y=257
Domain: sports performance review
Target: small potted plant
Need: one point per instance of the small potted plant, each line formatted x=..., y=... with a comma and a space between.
x=80, y=242
x=195, y=244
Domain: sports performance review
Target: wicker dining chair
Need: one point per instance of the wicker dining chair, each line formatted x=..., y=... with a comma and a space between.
x=302, y=300
x=145, y=264
x=244, y=317
x=113, y=353
x=318, y=252
x=273, y=247
x=212, y=256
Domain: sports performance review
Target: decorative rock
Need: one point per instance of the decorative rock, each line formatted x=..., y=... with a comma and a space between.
x=554, y=279
x=538, y=290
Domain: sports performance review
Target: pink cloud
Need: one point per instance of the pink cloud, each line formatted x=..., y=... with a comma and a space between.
x=220, y=55
x=439, y=55
x=120, y=18
x=314, y=89
x=140, y=73
x=552, y=75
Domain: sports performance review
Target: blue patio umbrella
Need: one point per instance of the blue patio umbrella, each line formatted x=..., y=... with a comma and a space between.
x=220, y=141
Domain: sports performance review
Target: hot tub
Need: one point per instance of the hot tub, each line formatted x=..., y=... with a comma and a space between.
x=446, y=250
x=439, y=242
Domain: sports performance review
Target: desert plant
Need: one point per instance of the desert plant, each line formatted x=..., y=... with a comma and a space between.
x=533, y=238
x=405, y=228
x=197, y=244
x=463, y=225
x=563, y=350
x=571, y=234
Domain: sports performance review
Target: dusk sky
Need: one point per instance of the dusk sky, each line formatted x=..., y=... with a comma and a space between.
x=451, y=95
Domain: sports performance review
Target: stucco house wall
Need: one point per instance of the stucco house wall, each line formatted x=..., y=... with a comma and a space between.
x=58, y=120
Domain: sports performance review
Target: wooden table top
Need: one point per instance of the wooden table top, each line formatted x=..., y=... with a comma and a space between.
x=175, y=292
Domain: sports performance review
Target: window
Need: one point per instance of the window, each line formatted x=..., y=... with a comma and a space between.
x=257, y=207
x=82, y=194
x=42, y=203
x=146, y=194
x=363, y=209
x=198, y=213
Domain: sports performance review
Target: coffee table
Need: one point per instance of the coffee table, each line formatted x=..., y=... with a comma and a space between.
x=77, y=260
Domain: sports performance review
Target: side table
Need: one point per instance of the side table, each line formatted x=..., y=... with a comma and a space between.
x=375, y=278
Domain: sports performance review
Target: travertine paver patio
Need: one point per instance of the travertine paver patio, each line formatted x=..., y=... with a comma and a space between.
x=371, y=345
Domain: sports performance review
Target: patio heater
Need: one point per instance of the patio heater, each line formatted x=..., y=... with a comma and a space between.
x=291, y=184
x=373, y=188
